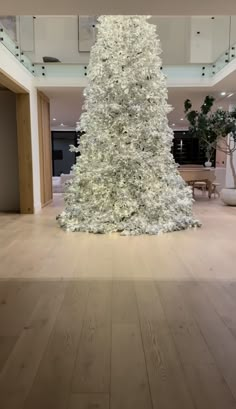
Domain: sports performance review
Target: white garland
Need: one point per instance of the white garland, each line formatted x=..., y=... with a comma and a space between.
x=126, y=179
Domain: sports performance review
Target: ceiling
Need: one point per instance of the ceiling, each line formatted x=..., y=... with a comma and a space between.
x=65, y=106
x=177, y=96
x=98, y=7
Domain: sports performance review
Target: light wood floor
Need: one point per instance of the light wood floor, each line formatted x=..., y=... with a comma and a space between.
x=105, y=321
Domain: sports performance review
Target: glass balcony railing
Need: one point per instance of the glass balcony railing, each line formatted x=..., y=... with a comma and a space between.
x=224, y=59
x=14, y=47
x=59, y=46
x=60, y=70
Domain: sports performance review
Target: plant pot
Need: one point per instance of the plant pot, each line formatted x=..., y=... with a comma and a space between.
x=208, y=164
x=228, y=196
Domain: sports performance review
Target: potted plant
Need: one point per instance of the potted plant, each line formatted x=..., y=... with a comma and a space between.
x=215, y=131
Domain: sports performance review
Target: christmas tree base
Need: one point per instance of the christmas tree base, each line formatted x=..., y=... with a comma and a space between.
x=124, y=228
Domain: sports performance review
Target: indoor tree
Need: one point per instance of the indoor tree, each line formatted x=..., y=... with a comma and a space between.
x=126, y=179
x=200, y=125
x=215, y=129
x=224, y=125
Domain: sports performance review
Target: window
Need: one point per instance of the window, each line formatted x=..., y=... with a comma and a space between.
x=57, y=155
x=186, y=149
x=62, y=158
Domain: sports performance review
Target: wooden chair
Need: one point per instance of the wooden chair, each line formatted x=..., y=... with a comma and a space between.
x=200, y=185
x=215, y=191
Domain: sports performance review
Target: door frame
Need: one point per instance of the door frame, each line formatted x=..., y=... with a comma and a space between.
x=23, y=141
x=45, y=149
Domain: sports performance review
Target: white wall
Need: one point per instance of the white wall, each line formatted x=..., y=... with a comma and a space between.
x=213, y=40
x=220, y=174
x=174, y=35
x=57, y=37
x=9, y=175
x=220, y=36
x=233, y=30
x=229, y=177
x=209, y=37
x=201, y=38
x=15, y=69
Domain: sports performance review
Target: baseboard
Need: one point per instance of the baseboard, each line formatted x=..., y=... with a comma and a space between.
x=47, y=203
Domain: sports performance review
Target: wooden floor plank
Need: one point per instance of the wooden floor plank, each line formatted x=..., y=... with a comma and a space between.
x=89, y=401
x=92, y=369
x=129, y=380
x=52, y=253
x=51, y=387
x=167, y=381
x=7, y=344
x=20, y=369
x=7, y=289
x=209, y=390
x=202, y=323
x=202, y=373
x=124, y=306
x=190, y=343
x=218, y=337
x=21, y=297
x=230, y=287
x=224, y=302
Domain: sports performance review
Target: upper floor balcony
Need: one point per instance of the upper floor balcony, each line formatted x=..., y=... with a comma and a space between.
x=195, y=49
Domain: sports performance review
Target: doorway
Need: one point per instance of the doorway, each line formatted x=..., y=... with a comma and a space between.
x=9, y=172
x=45, y=149
x=62, y=158
x=18, y=173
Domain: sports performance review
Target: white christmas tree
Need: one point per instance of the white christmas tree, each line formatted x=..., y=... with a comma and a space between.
x=125, y=179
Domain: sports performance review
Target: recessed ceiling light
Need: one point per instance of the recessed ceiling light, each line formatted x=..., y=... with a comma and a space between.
x=181, y=119
x=173, y=124
x=230, y=95
x=62, y=124
x=223, y=93
x=54, y=119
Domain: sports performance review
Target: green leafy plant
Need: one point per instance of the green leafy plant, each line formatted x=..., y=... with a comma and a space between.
x=200, y=125
x=216, y=130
